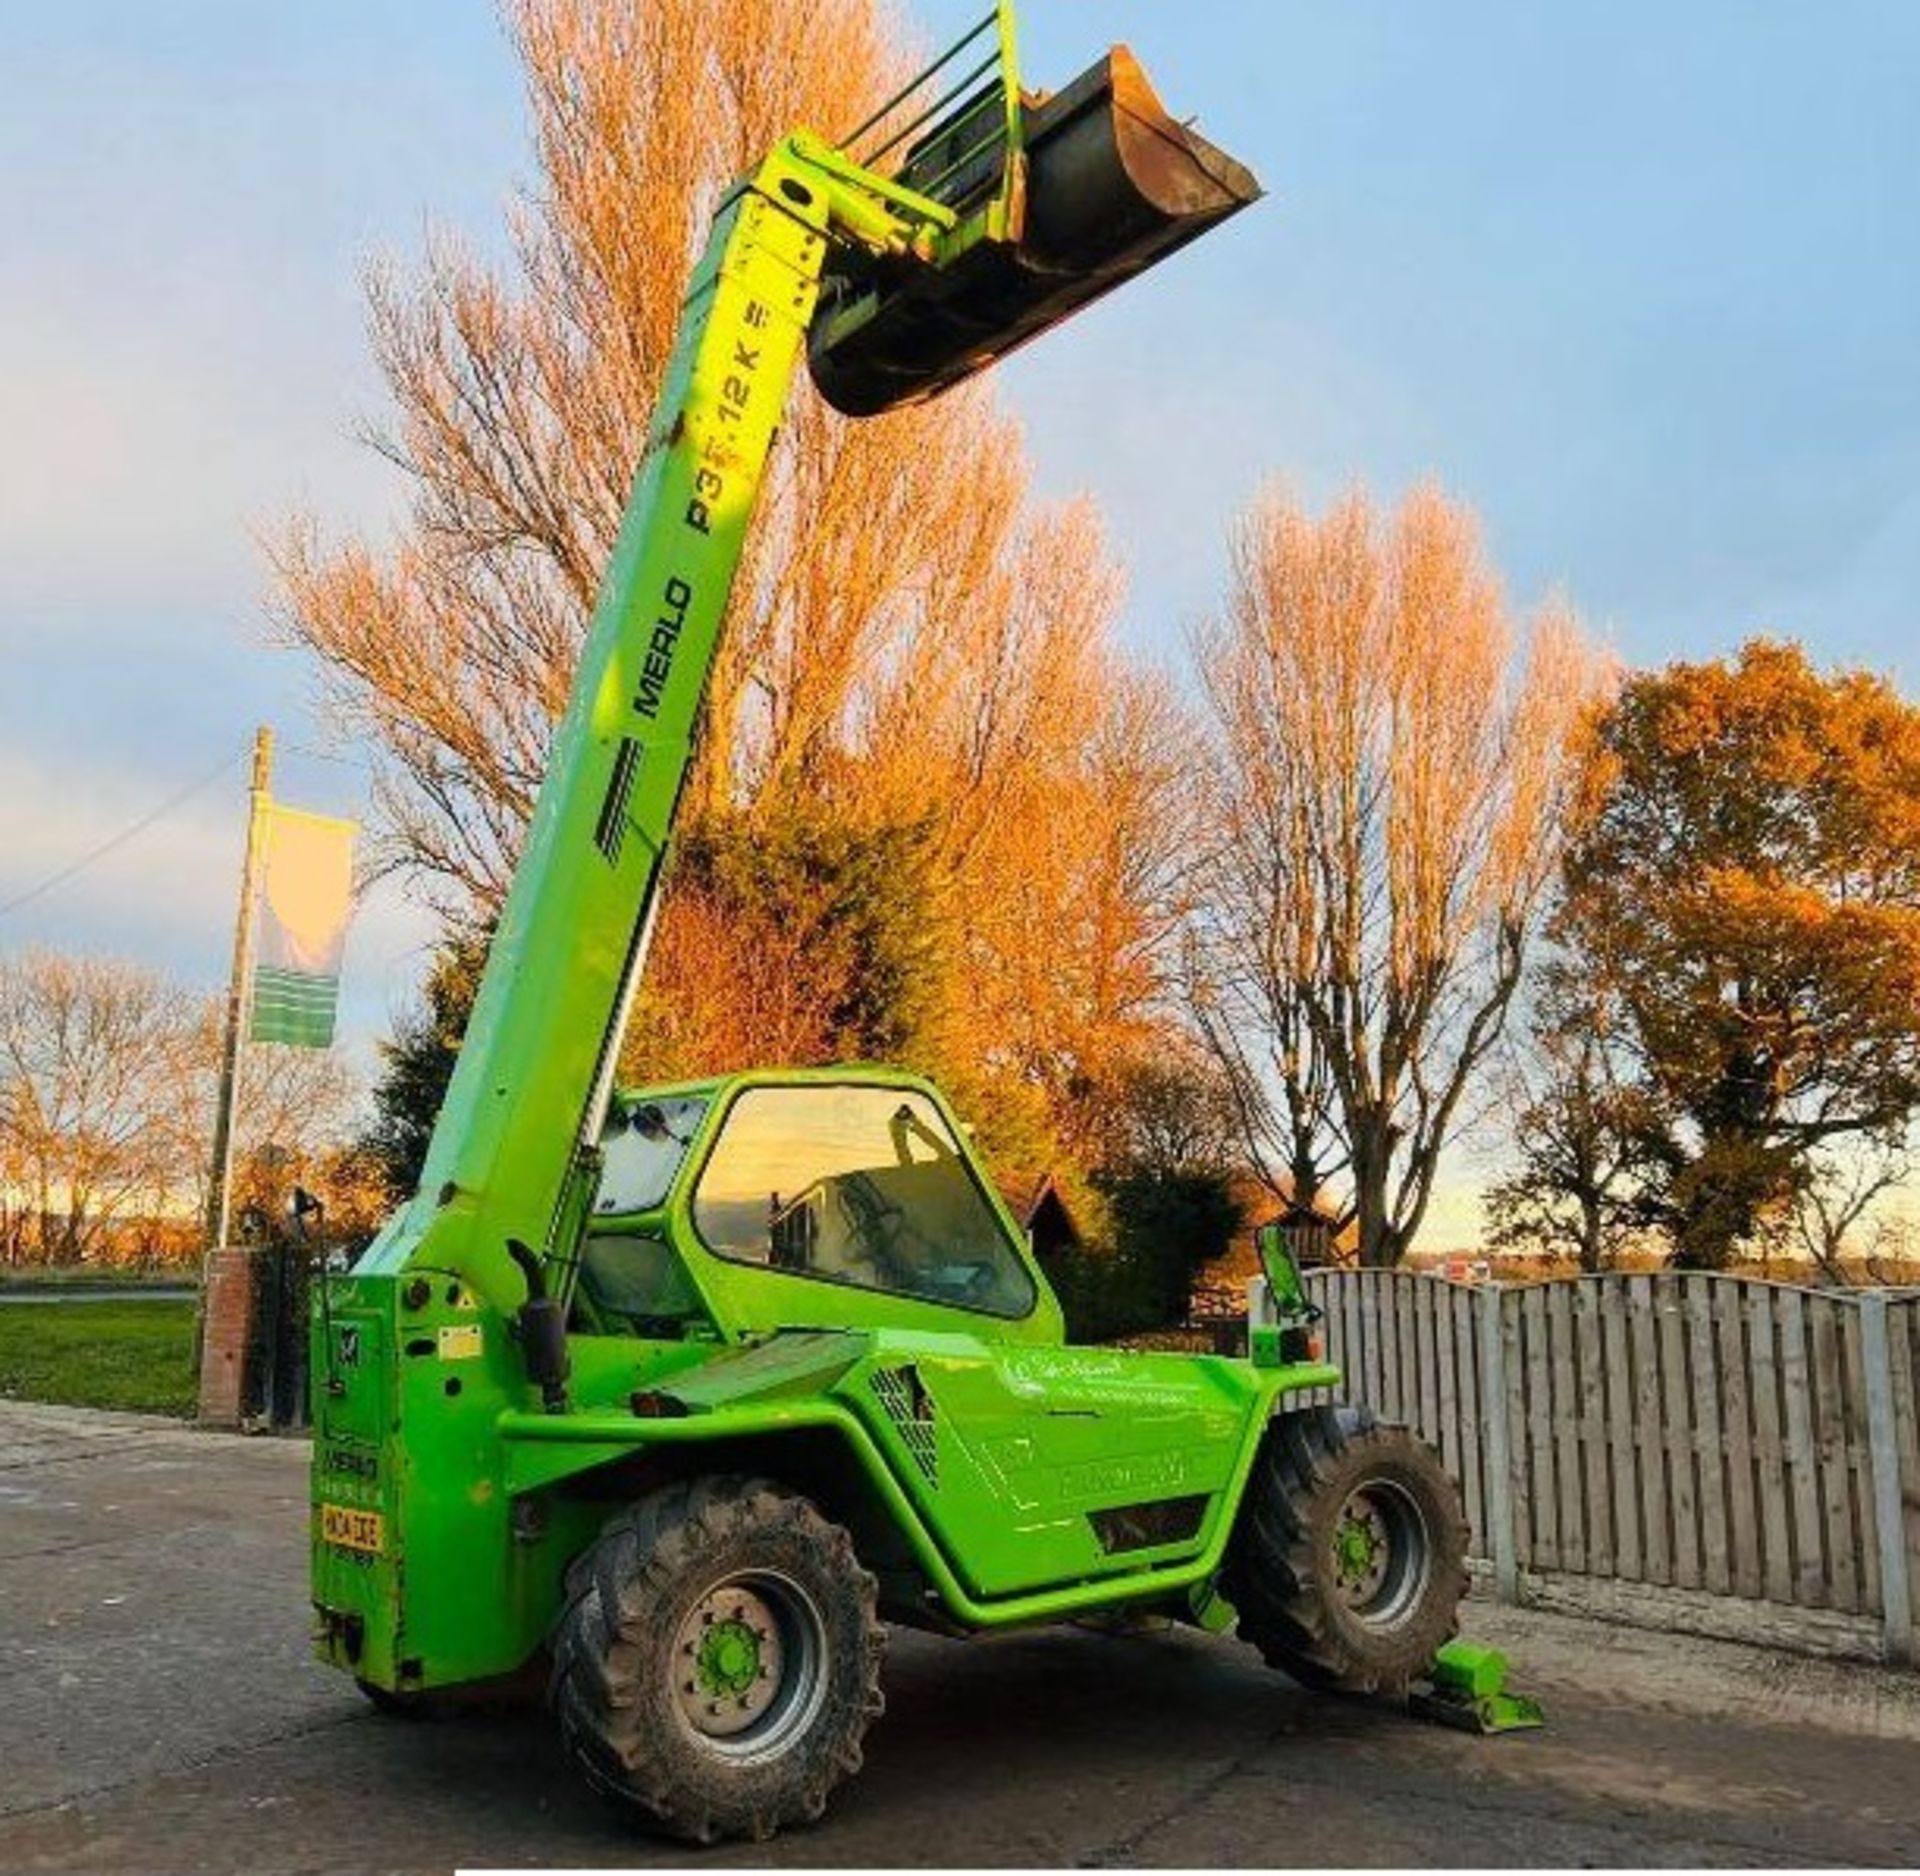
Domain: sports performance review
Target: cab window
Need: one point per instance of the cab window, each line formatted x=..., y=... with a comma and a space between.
x=864, y=1186
x=635, y=1276
x=639, y=1280
x=641, y=1150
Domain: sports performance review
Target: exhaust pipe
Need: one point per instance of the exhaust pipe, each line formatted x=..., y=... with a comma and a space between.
x=1113, y=185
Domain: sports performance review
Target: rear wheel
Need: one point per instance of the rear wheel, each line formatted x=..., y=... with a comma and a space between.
x=1350, y=1556
x=719, y=1658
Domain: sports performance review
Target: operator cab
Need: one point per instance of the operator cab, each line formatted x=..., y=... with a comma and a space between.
x=766, y=1202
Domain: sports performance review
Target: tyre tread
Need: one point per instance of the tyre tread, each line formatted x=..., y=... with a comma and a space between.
x=1273, y=1570
x=600, y=1654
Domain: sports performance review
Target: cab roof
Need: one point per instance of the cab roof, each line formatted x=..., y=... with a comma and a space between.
x=836, y=1074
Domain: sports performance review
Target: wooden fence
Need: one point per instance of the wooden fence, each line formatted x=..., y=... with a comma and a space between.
x=1745, y=1454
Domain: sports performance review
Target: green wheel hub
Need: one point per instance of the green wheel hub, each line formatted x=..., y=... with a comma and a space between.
x=1382, y=1553
x=750, y=1663
x=728, y=1661
x=1358, y=1542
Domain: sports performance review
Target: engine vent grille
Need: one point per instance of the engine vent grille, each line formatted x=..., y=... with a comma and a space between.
x=904, y=1397
x=1142, y=1527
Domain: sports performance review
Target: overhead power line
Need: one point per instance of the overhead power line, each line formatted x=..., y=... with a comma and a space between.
x=115, y=841
x=327, y=755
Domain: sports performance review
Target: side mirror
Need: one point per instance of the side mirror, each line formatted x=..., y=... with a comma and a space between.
x=1280, y=1314
x=541, y=1324
x=1284, y=1283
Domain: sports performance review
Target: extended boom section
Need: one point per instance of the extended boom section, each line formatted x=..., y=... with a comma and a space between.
x=1006, y=212
x=512, y=1152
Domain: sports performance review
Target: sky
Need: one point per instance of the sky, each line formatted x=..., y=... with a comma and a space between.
x=1639, y=281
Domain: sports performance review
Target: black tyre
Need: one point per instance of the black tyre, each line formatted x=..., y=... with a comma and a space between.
x=718, y=1661
x=1350, y=1557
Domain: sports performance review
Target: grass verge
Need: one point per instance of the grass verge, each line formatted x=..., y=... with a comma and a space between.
x=134, y=1356
x=34, y=1277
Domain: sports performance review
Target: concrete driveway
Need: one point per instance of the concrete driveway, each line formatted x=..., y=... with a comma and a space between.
x=158, y=1712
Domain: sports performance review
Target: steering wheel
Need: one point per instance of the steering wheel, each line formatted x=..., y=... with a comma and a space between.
x=880, y=1223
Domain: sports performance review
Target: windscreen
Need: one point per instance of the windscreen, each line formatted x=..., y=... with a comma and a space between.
x=862, y=1186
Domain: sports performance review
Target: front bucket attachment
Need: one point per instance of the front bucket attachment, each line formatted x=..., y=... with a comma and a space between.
x=1112, y=185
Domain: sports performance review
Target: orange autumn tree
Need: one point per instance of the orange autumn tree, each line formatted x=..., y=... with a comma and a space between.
x=918, y=650
x=1746, y=888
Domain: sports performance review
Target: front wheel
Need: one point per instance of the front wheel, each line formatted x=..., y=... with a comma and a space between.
x=1349, y=1558
x=719, y=1658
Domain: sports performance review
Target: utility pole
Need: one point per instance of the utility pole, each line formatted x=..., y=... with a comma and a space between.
x=220, y=1190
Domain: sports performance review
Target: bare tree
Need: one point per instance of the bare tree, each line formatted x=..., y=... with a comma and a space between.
x=1174, y=1116
x=1833, y=1217
x=1391, y=784
x=1071, y=905
x=291, y=1107
x=1246, y=1000
x=90, y=1054
x=107, y=1078
x=915, y=642
x=16, y=1182
x=1584, y=1131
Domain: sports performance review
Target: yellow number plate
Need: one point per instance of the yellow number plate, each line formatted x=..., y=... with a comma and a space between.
x=351, y=1529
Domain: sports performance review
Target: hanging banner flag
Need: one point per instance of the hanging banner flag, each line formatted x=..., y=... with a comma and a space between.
x=306, y=894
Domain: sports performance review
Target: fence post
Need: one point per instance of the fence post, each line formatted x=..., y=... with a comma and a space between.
x=1493, y=1414
x=1883, y=1449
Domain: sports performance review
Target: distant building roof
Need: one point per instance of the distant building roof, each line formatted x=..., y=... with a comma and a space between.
x=1039, y=1210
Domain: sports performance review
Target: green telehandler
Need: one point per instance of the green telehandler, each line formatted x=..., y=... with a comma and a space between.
x=683, y=1392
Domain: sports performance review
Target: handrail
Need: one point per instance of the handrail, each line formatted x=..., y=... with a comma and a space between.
x=935, y=108
x=955, y=104
x=913, y=84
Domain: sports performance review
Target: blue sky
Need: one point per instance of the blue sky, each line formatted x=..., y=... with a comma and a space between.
x=1640, y=281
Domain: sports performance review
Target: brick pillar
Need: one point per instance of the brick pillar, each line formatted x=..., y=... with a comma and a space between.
x=225, y=1340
